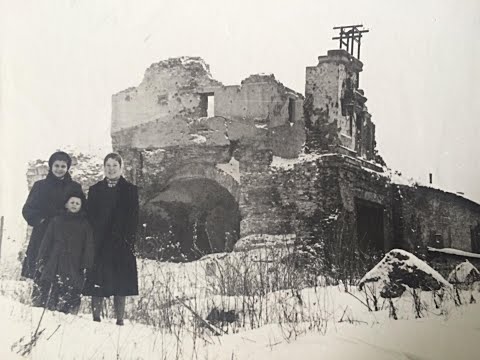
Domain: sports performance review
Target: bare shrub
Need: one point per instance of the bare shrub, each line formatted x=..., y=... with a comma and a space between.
x=255, y=286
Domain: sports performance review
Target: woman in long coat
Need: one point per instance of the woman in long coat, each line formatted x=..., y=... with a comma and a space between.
x=45, y=201
x=113, y=214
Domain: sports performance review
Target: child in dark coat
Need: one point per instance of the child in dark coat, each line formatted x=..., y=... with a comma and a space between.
x=66, y=251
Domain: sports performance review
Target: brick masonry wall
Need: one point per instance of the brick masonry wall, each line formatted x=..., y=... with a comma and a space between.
x=318, y=197
x=431, y=217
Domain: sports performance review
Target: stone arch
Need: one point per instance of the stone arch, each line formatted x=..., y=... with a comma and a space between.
x=196, y=213
x=207, y=171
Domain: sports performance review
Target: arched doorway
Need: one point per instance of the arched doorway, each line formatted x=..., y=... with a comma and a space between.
x=191, y=217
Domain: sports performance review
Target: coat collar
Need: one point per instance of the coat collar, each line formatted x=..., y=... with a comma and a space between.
x=122, y=182
x=78, y=215
x=53, y=179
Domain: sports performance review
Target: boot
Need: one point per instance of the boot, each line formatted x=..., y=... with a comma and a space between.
x=119, y=305
x=96, y=307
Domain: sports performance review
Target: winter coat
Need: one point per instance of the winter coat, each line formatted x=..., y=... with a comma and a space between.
x=66, y=249
x=45, y=200
x=113, y=214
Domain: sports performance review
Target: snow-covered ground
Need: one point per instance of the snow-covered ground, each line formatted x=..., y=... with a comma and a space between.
x=78, y=337
x=305, y=323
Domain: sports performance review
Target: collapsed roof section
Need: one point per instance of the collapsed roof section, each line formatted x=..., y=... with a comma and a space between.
x=178, y=103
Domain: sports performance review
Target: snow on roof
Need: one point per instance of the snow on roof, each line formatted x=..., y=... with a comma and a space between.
x=452, y=251
x=463, y=272
x=394, y=176
x=283, y=163
x=447, y=191
x=286, y=164
x=397, y=178
x=409, y=263
x=374, y=171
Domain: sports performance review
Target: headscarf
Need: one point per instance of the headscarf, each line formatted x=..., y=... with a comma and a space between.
x=61, y=156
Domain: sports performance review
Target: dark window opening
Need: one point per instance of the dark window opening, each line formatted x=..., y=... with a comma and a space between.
x=207, y=105
x=370, y=233
x=291, y=110
x=350, y=124
x=436, y=240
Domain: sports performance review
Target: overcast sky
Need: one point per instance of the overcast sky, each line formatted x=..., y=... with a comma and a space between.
x=62, y=60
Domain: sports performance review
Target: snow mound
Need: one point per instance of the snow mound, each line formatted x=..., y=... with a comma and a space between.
x=400, y=269
x=464, y=273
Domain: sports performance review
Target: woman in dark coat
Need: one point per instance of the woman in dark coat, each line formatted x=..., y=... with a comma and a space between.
x=46, y=199
x=113, y=214
x=66, y=250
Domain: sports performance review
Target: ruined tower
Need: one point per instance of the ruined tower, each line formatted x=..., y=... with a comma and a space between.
x=336, y=117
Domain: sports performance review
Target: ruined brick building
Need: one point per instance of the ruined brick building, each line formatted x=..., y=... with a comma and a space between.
x=224, y=166
x=229, y=167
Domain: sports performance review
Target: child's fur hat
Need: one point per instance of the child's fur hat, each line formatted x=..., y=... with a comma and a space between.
x=75, y=193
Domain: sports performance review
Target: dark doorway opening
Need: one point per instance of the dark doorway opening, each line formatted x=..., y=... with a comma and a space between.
x=191, y=218
x=436, y=240
x=475, y=236
x=370, y=229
